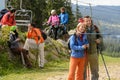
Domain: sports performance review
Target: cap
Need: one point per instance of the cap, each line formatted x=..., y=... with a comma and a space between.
x=13, y=28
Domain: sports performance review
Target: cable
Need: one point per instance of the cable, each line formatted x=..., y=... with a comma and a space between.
x=102, y=11
x=99, y=6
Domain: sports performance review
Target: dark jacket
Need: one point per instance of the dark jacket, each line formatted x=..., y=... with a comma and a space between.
x=14, y=43
x=92, y=37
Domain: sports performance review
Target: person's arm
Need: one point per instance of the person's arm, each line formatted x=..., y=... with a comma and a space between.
x=49, y=20
x=40, y=40
x=66, y=19
x=4, y=20
x=99, y=37
x=14, y=22
x=11, y=39
x=73, y=46
x=86, y=41
x=99, y=40
x=58, y=20
x=59, y=16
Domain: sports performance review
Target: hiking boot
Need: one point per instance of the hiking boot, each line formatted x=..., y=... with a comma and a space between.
x=29, y=66
x=41, y=67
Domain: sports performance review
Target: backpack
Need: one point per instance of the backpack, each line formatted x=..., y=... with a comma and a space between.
x=8, y=42
x=2, y=13
x=69, y=41
x=43, y=35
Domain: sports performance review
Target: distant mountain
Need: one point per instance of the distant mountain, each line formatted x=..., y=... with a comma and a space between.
x=110, y=14
x=106, y=17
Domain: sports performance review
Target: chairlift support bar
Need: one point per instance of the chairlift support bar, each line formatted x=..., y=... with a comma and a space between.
x=23, y=10
x=25, y=14
x=99, y=33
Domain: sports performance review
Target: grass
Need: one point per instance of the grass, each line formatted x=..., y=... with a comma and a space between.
x=109, y=60
x=53, y=68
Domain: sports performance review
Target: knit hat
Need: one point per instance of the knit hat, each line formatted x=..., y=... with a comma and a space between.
x=80, y=20
x=13, y=28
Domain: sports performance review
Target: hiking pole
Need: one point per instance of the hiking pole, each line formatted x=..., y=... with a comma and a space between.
x=104, y=62
x=23, y=60
x=88, y=72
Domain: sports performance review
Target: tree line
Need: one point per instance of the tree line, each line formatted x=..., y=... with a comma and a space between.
x=112, y=46
x=41, y=9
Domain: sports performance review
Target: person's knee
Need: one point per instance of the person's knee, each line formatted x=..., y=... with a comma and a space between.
x=25, y=52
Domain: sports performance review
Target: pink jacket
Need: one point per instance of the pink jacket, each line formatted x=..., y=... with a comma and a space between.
x=53, y=20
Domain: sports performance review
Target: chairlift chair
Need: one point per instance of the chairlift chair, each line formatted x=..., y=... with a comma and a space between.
x=23, y=17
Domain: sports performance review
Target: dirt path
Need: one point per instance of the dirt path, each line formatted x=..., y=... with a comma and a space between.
x=114, y=72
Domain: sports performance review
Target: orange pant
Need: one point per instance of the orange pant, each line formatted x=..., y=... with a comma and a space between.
x=76, y=68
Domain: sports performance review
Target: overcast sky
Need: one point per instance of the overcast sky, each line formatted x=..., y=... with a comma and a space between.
x=99, y=2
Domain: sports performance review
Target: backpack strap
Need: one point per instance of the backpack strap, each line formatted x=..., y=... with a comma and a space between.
x=37, y=34
x=76, y=38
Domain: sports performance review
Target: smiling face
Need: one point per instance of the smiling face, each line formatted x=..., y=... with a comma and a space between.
x=80, y=28
x=88, y=21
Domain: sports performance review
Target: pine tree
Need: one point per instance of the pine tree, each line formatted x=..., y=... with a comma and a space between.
x=41, y=9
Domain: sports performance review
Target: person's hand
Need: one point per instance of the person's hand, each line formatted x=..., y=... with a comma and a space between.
x=45, y=24
x=28, y=29
x=87, y=45
x=4, y=26
x=97, y=41
x=84, y=46
x=38, y=42
x=18, y=39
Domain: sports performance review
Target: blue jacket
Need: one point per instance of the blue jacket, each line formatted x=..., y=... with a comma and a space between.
x=63, y=18
x=77, y=50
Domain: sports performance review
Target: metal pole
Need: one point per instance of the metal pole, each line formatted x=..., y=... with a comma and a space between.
x=104, y=63
x=76, y=10
x=21, y=4
x=23, y=60
x=90, y=9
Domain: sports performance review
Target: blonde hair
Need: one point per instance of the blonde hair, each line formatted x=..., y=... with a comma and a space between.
x=79, y=25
